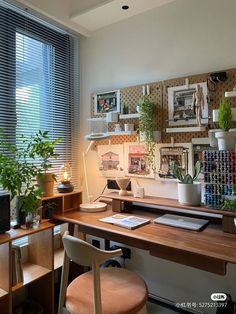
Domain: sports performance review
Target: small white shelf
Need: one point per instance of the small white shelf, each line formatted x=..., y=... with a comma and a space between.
x=186, y=129
x=122, y=133
x=230, y=94
x=129, y=116
x=215, y=114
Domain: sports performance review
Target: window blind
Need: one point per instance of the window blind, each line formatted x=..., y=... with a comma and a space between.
x=39, y=83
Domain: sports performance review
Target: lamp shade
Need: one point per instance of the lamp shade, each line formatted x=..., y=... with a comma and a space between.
x=65, y=176
x=97, y=129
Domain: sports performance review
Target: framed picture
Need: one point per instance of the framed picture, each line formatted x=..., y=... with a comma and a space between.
x=111, y=160
x=181, y=153
x=136, y=161
x=181, y=109
x=107, y=102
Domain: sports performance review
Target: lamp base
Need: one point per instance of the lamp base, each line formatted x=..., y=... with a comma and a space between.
x=65, y=187
x=93, y=207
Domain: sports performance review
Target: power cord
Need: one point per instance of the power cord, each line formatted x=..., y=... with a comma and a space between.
x=101, y=193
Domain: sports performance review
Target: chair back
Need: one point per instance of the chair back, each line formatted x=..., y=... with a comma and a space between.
x=85, y=254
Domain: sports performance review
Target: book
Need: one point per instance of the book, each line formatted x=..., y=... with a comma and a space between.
x=17, y=265
x=129, y=222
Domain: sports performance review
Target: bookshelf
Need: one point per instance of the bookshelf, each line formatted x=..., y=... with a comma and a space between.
x=39, y=262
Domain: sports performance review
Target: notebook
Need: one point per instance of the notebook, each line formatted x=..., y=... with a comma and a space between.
x=129, y=222
x=181, y=221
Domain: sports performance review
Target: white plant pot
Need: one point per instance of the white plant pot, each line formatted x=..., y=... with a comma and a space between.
x=212, y=137
x=189, y=194
x=226, y=140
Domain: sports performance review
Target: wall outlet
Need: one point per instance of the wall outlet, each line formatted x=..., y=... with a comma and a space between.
x=111, y=184
x=96, y=243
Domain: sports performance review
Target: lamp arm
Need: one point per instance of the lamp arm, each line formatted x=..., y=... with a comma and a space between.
x=85, y=170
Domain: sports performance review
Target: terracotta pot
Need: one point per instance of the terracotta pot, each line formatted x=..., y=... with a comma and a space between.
x=46, y=183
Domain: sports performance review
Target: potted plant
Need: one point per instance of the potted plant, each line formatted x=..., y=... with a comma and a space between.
x=43, y=148
x=226, y=139
x=189, y=192
x=147, y=128
x=17, y=176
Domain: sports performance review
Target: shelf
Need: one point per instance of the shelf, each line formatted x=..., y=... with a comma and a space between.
x=186, y=129
x=3, y=293
x=215, y=114
x=31, y=273
x=122, y=133
x=230, y=94
x=58, y=258
x=129, y=116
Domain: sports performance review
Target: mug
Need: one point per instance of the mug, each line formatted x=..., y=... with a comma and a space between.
x=117, y=128
x=138, y=192
x=129, y=127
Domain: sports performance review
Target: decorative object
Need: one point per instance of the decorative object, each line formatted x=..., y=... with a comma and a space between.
x=136, y=161
x=181, y=105
x=106, y=102
x=147, y=126
x=198, y=103
x=44, y=148
x=189, y=192
x=122, y=183
x=65, y=173
x=97, y=129
x=17, y=176
x=111, y=160
x=166, y=153
x=226, y=139
x=138, y=191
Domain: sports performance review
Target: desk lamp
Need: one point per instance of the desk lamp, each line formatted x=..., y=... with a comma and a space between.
x=98, y=131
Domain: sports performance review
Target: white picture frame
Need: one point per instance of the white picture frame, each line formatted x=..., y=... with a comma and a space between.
x=106, y=102
x=180, y=104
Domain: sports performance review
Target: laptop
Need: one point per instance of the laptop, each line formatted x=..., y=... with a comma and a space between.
x=181, y=221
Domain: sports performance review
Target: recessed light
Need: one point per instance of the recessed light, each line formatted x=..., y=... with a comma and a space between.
x=125, y=7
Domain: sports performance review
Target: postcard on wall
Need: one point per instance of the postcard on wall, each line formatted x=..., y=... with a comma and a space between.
x=111, y=160
x=180, y=153
x=106, y=102
x=136, y=161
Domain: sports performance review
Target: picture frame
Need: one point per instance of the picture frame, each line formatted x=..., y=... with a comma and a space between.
x=106, y=102
x=136, y=161
x=181, y=153
x=180, y=104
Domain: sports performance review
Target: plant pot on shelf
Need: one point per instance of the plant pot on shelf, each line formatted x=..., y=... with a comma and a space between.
x=20, y=214
x=46, y=183
x=189, y=194
x=226, y=140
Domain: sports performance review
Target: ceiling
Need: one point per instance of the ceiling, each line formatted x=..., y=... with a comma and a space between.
x=95, y=14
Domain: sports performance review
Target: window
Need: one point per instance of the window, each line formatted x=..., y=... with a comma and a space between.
x=37, y=75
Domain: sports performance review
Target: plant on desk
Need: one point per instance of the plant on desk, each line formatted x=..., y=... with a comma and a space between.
x=189, y=192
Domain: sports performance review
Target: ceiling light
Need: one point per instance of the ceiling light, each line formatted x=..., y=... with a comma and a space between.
x=125, y=7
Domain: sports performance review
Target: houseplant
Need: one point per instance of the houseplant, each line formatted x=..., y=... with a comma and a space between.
x=189, y=192
x=226, y=139
x=17, y=176
x=41, y=147
x=147, y=128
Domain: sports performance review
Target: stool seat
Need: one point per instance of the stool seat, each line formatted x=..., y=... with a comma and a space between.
x=122, y=292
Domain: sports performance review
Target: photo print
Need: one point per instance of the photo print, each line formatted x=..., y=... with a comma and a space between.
x=111, y=160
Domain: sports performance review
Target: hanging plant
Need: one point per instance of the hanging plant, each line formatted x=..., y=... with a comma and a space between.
x=147, y=126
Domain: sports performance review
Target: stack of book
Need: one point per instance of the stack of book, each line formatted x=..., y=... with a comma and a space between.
x=17, y=271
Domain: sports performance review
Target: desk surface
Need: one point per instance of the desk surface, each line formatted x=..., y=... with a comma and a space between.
x=210, y=249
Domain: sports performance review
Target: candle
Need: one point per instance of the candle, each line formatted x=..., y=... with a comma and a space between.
x=143, y=90
x=148, y=90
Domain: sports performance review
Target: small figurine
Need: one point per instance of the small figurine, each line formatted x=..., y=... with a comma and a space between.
x=198, y=103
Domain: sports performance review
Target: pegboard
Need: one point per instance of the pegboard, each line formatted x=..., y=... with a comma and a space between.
x=131, y=96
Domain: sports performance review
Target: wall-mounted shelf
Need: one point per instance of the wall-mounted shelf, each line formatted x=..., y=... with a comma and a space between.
x=230, y=94
x=186, y=129
x=122, y=133
x=129, y=116
x=215, y=114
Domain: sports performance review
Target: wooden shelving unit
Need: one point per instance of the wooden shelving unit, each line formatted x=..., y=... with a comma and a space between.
x=61, y=202
x=41, y=262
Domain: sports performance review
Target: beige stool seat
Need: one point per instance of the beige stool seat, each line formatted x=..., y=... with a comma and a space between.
x=122, y=291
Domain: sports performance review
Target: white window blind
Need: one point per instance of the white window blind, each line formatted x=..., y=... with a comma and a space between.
x=39, y=83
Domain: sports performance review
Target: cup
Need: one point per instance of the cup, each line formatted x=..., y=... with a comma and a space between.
x=138, y=192
x=117, y=128
x=128, y=127
x=112, y=117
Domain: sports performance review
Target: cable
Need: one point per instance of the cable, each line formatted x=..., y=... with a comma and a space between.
x=101, y=193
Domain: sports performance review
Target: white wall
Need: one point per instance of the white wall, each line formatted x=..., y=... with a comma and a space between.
x=182, y=38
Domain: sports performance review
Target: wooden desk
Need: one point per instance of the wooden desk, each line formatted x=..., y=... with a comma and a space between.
x=210, y=249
